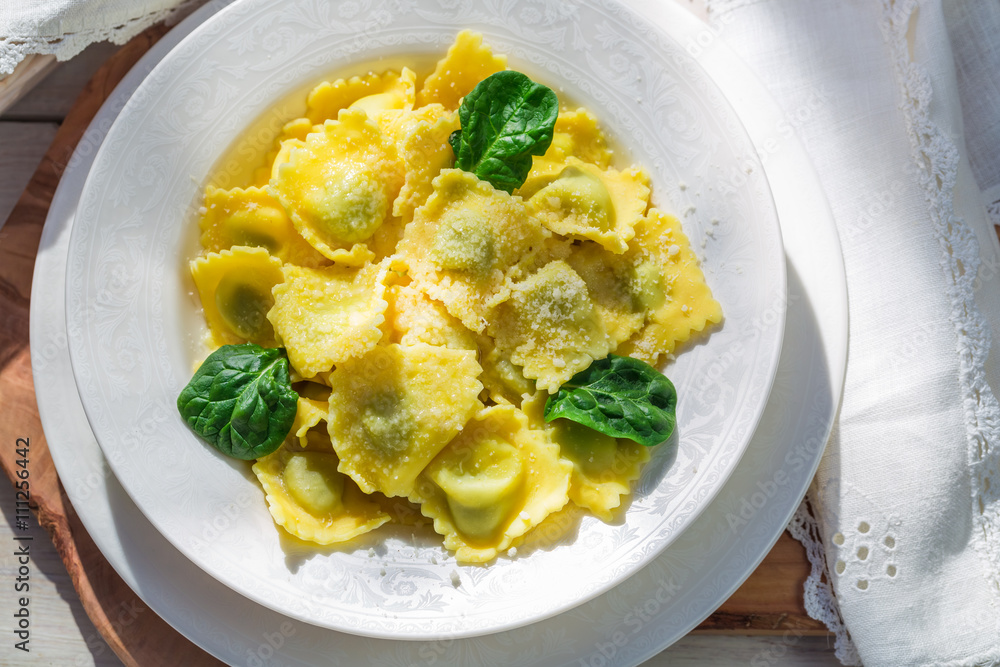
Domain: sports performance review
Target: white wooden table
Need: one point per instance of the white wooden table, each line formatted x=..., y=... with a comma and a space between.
x=62, y=634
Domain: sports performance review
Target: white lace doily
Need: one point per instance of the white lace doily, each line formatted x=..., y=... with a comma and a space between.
x=64, y=28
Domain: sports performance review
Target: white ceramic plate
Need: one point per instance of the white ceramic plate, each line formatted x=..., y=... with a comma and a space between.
x=704, y=565
x=129, y=313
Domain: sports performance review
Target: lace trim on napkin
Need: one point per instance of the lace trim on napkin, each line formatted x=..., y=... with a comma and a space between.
x=937, y=158
x=820, y=601
x=14, y=49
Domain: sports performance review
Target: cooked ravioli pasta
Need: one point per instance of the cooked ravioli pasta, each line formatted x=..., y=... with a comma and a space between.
x=602, y=467
x=427, y=316
x=468, y=62
x=329, y=315
x=580, y=200
x=464, y=241
x=339, y=185
x=235, y=288
x=251, y=217
x=550, y=326
x=493, y=483
x=310, y=499
x=394, y=409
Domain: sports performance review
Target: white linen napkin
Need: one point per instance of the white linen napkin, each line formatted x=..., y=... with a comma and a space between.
x=64, y=28
x=907, y=498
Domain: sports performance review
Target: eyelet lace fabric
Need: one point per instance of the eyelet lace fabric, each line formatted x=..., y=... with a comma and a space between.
x=66, y=28
x=820, y=600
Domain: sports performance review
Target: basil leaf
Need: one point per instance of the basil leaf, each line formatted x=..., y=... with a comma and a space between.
x=505, y=120
x=621, y=397
x=241, y=400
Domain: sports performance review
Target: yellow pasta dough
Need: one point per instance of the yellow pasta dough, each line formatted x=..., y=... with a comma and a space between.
x=413, y=317
x=468, y=62
x=235, y=289
x=421, y=138
x=308, y=414
x=577, y=134
x=338, y=186
x=492, y=484
x=688, y=306
x=463, y=241
x=503, y=381
x=251, y=217
x=371, y=93
x=550, y=326
x=394, y=409
x=296, y=130
x=578, y=199
x=310, y=499
x=617, y=287
x=325, y=316
x=603, y=468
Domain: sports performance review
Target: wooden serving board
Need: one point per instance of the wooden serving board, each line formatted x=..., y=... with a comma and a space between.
x=769, y=602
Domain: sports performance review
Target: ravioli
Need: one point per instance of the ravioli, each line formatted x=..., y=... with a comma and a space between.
x=603, y=468
x=297, y=130
x=328, y=315
x=468, y=62
x=462, y=243
x=503, y=381
x=550, y=326
x=413, y=317
x=578, y=199
x=422, y=145
x=394, y=409
x=427, y=316
x=371, y=93
x=235, y=289
x=308, y=414
x=251, y=217
x=311, y=500
x=338, y=186
x=578, y=135
x=688, y=306
x=622, y=289
x=492, y=484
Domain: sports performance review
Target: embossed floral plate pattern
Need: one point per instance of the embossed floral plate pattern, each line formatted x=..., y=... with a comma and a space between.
x=132, y=322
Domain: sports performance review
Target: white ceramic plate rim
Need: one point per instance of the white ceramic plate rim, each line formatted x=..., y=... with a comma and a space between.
x=473, y=619
x=172, y=586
